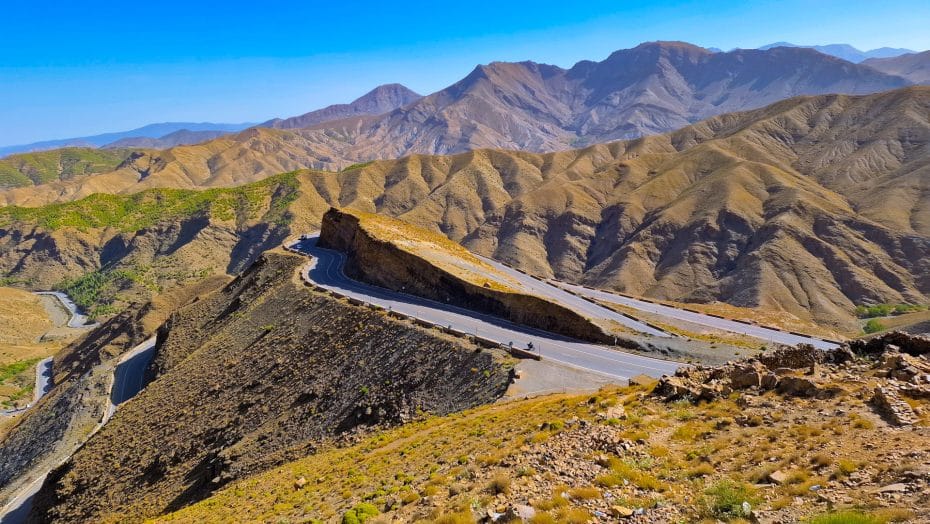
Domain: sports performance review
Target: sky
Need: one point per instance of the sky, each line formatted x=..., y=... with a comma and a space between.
x=80, y=68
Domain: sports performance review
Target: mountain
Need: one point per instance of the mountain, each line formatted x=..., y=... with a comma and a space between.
x=379, y=100
x=178, y=138
x=149, y=131
x=914, y=67
x=26, y=169
x=784, y=208
x=653, y=88
x=846, y=51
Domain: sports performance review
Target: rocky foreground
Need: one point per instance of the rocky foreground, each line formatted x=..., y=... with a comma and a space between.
x=795, y=435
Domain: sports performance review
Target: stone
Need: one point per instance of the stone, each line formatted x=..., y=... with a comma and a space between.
x=300, y=483
x=897, y=487
x=747, y=376
x=621, y=512
x=778, y=477
x=517, y=513
x=892, y=408
x=797, y=387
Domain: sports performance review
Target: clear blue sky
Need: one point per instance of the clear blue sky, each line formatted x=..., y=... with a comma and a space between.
x=78, y=68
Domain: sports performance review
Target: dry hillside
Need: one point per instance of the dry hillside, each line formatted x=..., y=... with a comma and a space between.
x=796, y=434
x=653, y=88
x=811, y=206
x=261, y=372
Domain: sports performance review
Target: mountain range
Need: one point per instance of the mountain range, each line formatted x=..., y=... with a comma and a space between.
x=914, y=67
x=193, y=131
x=846, y=51
x=784, y=208
x=653, y=88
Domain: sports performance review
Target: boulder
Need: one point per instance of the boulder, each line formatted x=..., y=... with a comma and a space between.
x=778, y=477
x=797, y=387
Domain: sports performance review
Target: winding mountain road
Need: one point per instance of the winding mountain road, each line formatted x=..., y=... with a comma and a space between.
x=752, y=330
x=325, y=270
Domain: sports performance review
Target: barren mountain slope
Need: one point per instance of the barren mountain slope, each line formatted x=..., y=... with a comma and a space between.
x=379, y=100
x=261, y=372
x=810, y=206
x=653, y=88
x=913, y=66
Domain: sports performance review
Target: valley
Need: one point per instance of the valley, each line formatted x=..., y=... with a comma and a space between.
x=671, y=284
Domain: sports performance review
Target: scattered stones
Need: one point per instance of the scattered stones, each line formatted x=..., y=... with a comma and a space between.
x=890, y=406
x=897, y=487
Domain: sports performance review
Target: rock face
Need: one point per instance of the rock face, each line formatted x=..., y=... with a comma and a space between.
x=891, y=406
x=378, y=101
x=256, y=374
x=379, y=262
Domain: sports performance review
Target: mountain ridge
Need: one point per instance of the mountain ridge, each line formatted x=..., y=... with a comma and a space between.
x=148, y=131
x=783, y=207
x=846, y=51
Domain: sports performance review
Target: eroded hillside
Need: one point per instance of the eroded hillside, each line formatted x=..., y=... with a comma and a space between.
x=810, y=206
x=262, y=372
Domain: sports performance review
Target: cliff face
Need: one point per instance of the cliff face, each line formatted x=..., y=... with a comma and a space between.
x=261, y=372
x=381, y=262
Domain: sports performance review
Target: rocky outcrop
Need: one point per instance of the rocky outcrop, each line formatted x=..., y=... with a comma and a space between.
x=257, y=374
x=890, y=405
x=790, y=371
x=378, y=261
x=914, y=345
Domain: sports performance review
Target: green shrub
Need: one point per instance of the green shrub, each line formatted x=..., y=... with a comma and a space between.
x=846, y=517
x=873, y=326
x=359, y=514
x=725, y=499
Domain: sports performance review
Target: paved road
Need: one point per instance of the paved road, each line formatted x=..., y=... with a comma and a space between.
x=78, y=319
x=128, y=381
x=771, y=335
x=578, y=304
x=129, y=375
x=325, y=269
x=43, y=378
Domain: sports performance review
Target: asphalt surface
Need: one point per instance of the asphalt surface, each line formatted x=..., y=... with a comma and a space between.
x=763, y=333
x=325, y=269
x=128, y=381
x=43, y=378
x=129, y=375
x=78, y=319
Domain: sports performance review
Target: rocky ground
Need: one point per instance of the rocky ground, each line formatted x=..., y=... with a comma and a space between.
x=793, y=435
x=262, y=372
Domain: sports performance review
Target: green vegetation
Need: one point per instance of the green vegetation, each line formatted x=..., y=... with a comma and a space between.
x=884, y=310
x=873, y=326
x=58, y=164
x=11, y=370
x=725, y=499
x=847, y=517
x=357, y=166
x=131, y=213
x=95, y=291
x=359, y=514
x=14, y=375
